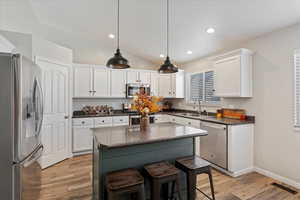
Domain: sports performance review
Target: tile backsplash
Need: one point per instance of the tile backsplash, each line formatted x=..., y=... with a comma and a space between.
x=78, y=104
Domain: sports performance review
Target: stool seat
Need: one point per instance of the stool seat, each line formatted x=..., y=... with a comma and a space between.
x=193, y=162
x=124, y=178
x=161, y=170
x=161, y=174
x=192, y=166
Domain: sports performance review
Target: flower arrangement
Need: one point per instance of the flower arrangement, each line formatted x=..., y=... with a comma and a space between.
x=145, y=104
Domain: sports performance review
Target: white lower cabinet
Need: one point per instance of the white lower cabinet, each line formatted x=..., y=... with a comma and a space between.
x=83, y=134
x=240, y=149
x=82, y=139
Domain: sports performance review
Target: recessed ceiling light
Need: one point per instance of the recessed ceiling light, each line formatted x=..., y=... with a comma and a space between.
x=162, y=55
x=111, y=36
x=189, y=52
x=210, y=30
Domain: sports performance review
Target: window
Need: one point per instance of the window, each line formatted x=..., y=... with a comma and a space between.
x=297, y=90
x=202, y=88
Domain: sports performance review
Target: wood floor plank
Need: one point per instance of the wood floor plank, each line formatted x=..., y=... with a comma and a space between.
x=72, y=180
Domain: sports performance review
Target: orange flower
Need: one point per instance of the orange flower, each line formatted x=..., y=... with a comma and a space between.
x=146, y=104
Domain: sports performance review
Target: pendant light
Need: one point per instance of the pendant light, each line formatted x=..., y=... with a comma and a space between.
x=168, y=67
x=118, y=61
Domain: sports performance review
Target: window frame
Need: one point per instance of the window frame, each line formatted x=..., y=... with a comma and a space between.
x=188, y=91
x=296, y=108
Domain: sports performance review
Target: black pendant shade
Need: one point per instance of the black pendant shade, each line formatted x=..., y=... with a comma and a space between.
x=118, y=61
x=168, y=67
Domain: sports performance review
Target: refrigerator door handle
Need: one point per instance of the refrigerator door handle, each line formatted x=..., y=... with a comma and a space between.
x=41, y=104
x=34, y=156
x=38, y=107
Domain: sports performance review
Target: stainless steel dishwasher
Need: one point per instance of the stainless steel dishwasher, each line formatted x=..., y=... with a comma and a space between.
x=213, y=147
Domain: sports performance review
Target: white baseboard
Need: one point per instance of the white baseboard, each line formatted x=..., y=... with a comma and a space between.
x=278, y=177
x=234, y=174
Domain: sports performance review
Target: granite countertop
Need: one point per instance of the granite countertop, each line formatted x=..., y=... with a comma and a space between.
x=185, y=114
x=213, y=119
x=114, y=114
x=114, y=137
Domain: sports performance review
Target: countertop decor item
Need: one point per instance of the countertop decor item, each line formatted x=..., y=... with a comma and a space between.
x=118, y=61
x=144, y=105
x=168, y=67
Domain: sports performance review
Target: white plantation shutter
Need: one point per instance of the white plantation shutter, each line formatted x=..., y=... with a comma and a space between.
x=297, y=90
x=196, y=87
x=209, y=87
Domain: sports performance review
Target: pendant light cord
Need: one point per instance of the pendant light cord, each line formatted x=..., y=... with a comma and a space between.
x=118, y=24
x=167, y=28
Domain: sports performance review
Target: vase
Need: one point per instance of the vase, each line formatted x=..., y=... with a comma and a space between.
x=144, y=124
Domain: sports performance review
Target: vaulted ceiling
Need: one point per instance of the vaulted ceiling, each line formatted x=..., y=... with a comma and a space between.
x=85, y=24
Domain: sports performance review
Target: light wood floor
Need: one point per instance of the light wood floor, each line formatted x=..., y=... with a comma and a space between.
x=71, y=180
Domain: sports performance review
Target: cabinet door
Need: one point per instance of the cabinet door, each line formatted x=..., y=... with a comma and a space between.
x=101, y=83
x=165, y=89
x=228, y=77
x=144, y=77
x=154, y=84
x=83, y=78
x=118, y=83
x=82, y=139
x=178, y=85
x=132, y=77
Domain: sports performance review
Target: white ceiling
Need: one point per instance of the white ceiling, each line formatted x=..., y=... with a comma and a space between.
x=85, y=24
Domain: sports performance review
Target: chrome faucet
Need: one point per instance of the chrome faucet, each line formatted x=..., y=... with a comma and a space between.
x=199, y=106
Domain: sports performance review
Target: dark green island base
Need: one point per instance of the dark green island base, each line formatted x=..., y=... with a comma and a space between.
x=116, y=148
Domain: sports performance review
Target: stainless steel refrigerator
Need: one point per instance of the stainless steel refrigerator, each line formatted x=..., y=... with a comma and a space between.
x=21, y=116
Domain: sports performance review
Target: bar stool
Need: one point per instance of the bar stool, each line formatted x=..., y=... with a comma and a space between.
x=193, y=166
x=128, y=181
x=160, y=174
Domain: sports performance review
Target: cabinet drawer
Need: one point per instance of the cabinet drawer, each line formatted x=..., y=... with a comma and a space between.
x=119, y=121
x=103, y=122
x=193, y=123
x=83, y=122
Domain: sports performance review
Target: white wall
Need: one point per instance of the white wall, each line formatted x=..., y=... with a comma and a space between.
x=51, y=51
x=277, y=145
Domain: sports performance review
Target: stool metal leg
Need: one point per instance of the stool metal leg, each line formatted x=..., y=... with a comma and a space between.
x=155, y=190
x=141, y=193
x=211, y=184
x=191, y=185
x=178, y=187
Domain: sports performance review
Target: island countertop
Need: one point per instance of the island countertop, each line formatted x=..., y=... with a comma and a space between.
x=114, y=137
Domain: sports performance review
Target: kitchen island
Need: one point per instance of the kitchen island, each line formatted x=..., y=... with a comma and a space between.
x=116, y=148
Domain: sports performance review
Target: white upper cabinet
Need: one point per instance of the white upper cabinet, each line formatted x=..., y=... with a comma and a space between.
x=83, y=81
x=154, y=83
x=145, y=77
x=100, y=82
x=134, y=76
x=165, y=85
x=101, y=87
x=178, y=84
x=233, y=76
x=172, y=85
x=118, y=83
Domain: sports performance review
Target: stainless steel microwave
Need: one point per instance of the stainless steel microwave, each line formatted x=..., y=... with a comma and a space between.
x=134, y=88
